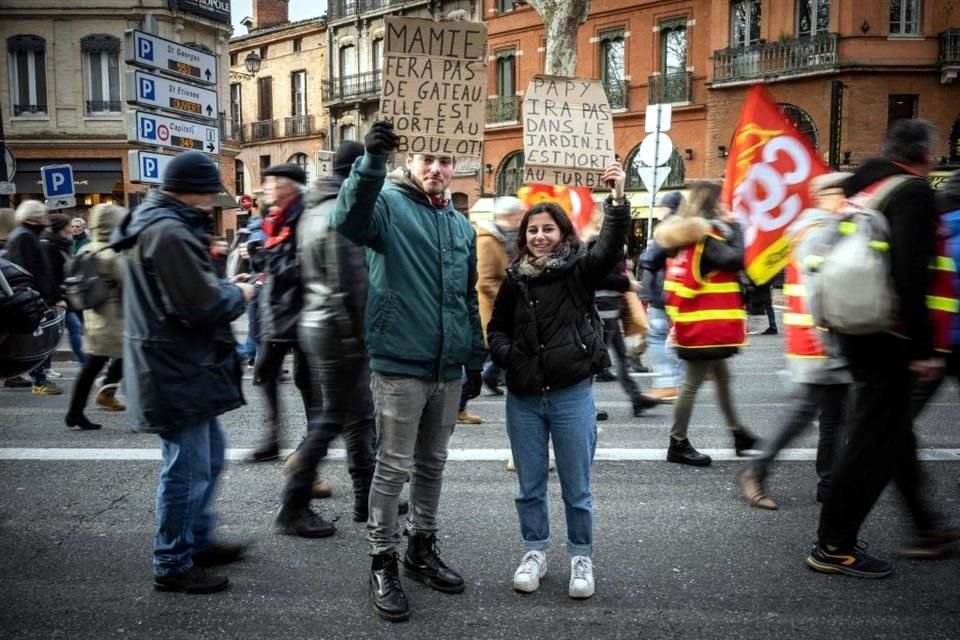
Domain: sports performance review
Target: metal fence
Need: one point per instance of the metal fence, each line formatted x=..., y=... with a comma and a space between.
x=785, y=57
x=503, y=109
x=670, y=88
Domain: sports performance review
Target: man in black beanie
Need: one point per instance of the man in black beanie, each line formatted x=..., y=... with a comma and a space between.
x=334, y=284
x=179, y=364
x=278, y=305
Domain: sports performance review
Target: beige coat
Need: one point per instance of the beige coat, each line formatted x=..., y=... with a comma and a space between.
x=103, y=325
x=492, y=266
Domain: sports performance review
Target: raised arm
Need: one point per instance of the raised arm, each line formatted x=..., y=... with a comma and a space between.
x=608, y=249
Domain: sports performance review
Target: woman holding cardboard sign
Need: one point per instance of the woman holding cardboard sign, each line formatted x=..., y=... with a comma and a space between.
x=546, y=334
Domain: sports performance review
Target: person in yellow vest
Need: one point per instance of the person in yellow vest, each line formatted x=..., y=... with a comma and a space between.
x=704, y=301
x=813, y=357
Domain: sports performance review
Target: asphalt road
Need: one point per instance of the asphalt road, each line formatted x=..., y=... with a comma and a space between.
x=679, y=554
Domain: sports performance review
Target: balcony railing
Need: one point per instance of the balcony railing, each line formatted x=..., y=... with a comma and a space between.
x=950, y=47
x=357, y=86
x=103, y=106
x=295, y=126
x=670, y=88
x=337, y=9
x=236, y=129
x=261, y=130
x=503, y=109
x=618, y=93
x=783, y=58
x=21, y=109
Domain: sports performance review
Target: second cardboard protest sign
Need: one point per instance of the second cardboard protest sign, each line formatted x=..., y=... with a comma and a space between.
x=434, y=85
x=567, y=132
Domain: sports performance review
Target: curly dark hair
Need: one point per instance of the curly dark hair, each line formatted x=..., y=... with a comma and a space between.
x=559, y=217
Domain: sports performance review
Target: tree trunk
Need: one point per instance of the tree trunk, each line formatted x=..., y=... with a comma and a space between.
x=562, y=20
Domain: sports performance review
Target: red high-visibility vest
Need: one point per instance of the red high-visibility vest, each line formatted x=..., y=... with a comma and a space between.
x=706, y=312
x=800, y=339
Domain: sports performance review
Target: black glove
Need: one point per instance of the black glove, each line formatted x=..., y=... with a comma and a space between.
x=382, y=139
x=473, y=385
x=22, y=311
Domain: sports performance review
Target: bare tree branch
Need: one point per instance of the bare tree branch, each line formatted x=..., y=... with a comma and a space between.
x=562, y=20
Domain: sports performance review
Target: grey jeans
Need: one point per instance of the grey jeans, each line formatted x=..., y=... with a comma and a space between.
x=696, y=374
x=415, y=419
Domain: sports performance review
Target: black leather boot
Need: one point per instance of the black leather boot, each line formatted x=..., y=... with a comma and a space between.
x=422, y=561
x=682, y=452
x=744, y=441
x=386, y=592
x=302, y=522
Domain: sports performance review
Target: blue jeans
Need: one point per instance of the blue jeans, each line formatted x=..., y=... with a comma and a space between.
x=192, y=461
x=667, y=366
x=248, y=350
x=568, y=417
x=74, y=324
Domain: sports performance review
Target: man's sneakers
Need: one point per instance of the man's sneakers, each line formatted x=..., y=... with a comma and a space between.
x=194, y=581
x=665, y=394
x=17, y=382
x=48, y=389
x=581, y=577
x=533, y=566
x=465, y=417
x=932, y=544
x=854, y=562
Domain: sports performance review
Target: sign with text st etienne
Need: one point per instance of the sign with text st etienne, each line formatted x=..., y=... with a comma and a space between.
x=172, y=133
x=171, y=57
x=567, y=132
x=435, y=84
x=170, y=95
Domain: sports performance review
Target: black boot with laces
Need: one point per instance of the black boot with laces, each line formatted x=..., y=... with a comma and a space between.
x=422, y=561
x=386, y=593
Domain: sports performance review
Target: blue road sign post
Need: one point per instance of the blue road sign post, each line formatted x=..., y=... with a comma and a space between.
x=58, y=186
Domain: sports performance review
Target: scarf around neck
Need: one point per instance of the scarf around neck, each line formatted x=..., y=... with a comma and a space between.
x=531, y=267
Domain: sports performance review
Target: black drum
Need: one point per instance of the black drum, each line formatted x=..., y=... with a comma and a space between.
x=23, y=352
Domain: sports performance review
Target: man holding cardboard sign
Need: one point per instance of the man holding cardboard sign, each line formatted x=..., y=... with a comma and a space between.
x=422, y=329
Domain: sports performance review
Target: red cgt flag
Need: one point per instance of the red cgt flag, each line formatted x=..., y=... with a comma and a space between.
x=576, y=201
x=767, y=182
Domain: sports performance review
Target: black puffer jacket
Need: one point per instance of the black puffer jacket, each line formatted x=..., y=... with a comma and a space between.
x=545, y=331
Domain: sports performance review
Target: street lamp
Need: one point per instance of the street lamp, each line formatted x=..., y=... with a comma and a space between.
x=252, y=63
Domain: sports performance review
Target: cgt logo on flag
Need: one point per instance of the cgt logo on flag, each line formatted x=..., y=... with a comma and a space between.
x=767, y=182
x=577, y=202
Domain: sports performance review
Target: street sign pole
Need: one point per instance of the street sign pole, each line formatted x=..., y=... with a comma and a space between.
x=653, y=187
x=4, y=198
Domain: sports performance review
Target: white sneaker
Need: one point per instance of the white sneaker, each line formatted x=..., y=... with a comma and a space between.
x=581, y=577
x=50, y=373
x=531, y=569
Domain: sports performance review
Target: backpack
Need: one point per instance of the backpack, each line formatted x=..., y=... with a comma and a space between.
x=848, y=275
x=83, y=285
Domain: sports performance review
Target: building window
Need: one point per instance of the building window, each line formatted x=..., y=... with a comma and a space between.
x=236, y=109
x=265, y=99
x=744, y=23
x=510, y=174
x=503, y=6
x=101, y=68
x=673, y=46
x=377, y=55
x=264, y=164
x=348, y=132
x=802, y=121
x=298, y=93
x=813, y=17
x=676, y=178
x=233, y=58
x=263, y=52
x=238, y=179
x=506, y=73
x=297, y=45
x=348, y=61
x=905, y=16
x=612, y=67
x=299, y=159
x=900, y=106
x=28, y=74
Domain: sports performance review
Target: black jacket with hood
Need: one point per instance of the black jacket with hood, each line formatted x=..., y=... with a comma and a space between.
x=180, y=364
x=25, y=249
x=912, y=215
x=545, y=331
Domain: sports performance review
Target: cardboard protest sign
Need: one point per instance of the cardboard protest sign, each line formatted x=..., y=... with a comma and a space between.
x=567, y=131
x=435, y=84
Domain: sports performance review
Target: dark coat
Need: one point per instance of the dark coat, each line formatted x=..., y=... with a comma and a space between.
x=24, y=248
x=652, y=268
x=280, y=301
x=58, y=253
x=545, y=331
x=180, y=365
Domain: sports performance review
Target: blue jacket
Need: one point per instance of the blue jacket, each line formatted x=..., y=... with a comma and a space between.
x=948, y=202
x=180, y=365
x=422, y=318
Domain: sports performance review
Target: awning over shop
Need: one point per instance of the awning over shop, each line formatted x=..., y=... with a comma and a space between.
x=224, y=200
x=89, y=176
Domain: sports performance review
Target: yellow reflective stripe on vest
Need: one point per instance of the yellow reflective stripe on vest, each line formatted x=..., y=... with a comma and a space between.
x=798, y=319
x=846, y=228
x=706, y=287
x=940, y=303
x=706, y=314
x=795, y=290
x=943, y=263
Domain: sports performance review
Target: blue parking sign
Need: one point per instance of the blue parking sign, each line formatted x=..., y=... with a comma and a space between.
x=144, y=48
x=57, y=180
x=146, y=89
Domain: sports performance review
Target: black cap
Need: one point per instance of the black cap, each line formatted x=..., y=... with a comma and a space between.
x=191, y=172
x=347, y=153
x=287, y=170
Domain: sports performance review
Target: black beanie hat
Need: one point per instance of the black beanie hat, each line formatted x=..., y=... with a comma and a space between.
x=347, y=153
x=287, y=170
x=191, y=172
x=59, y=222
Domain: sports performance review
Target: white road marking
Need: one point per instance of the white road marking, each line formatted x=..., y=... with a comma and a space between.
x=460, y=455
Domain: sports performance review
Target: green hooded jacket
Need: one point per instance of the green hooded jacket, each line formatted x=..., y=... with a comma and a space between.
x=422, y=318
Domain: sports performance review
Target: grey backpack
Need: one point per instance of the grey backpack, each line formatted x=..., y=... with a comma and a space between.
x=848, y=276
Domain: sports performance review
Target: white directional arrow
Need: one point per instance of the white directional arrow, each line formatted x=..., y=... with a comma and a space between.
x=653, y=177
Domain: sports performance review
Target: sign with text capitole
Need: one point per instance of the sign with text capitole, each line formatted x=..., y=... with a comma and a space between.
x=567, y=131
x=435, y=85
